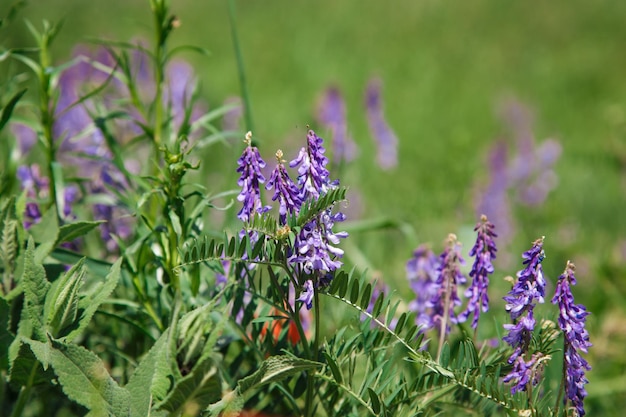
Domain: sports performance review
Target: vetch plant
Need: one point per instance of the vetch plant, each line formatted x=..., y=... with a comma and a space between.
x=168, y=312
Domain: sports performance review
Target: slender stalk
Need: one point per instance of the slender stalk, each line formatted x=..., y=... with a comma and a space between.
x=310, y=389
x=240, y=69
x=562, y=384
x=446, y=313
x=24, y=394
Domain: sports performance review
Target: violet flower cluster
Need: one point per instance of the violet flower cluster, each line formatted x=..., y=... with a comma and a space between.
x=571, y=320
x=421, y=271
x=386, y=139
x=484, y=251
x=449, y=276
x=250, y=165
x=314, y=251
x=332, y=115
x=520, y=303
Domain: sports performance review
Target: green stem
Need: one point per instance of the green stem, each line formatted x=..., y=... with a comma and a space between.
x=562, y=384
x=310, y=389
x=24, y=394
x=240, y=69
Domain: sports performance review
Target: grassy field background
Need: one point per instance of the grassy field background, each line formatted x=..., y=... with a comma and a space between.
x=446, y=66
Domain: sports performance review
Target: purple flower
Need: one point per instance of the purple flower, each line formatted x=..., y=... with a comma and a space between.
x=382, y=133
x=250, y=165
x=531, y=284
x=307, y=294
x=37, y=189
x=572, y=319
x=525, y=372
x=421, y=271
x=314, y=250
x=285, y=191
x=484, y=251
x=520, y=303
x=332, y=115
x=449, y=275
x=313, y=177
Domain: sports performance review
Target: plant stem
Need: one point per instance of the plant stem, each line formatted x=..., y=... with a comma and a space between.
x=24, y=394
x=562, y=384
x=310, y=392
x=446, y=313
x=240, y=69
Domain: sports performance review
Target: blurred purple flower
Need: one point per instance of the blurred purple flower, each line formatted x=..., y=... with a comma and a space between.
x=26, y=137
x=232, y=118
x=572, y=319
x=250, y=164
x=531, y=171
x=520, y=303
x=449, y=276
x=421, y=271
x=285, y=191
x=37, y=188
x=484, y=251
x=331, y=114
x=385, y=137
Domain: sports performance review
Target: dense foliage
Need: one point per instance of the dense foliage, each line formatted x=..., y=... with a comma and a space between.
x=120, y=297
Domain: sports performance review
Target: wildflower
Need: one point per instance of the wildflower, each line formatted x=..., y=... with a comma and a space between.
x=421, y=271
x=484, y=251
x=572, y=319
x=520, y=303
x=250, y=165
x=382, y=133
x=332, y=114
x=285, y=191
x=449, y=275
x=314, y=250
x=313, y=177
x=525, y=372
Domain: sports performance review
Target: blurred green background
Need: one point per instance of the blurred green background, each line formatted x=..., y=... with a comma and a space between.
x=445, y=67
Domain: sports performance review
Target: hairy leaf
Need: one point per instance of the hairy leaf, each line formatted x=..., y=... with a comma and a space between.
x=83, y=377
x=35, y=289
x=89, y=304
x=150, y=382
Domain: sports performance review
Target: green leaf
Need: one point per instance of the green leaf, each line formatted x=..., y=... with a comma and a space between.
x=150, y=381
x=273, y=369
x=8, y=109
x=90, y=303
x=45, y=233
x=83, y=377
x=35, y=289
x=375, y=400
x=69, y=232
x=201, y=387
x=444, y=359
x=96, y=266
x=334, y=368
x=6, y=338
x=61, y=306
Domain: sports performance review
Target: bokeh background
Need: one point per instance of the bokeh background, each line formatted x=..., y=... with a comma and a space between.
x=449, y=71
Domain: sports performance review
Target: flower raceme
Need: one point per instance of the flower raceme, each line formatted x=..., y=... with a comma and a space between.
x=250, y=165
x=484, y=251
x=572, y=319
x=520, y=304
